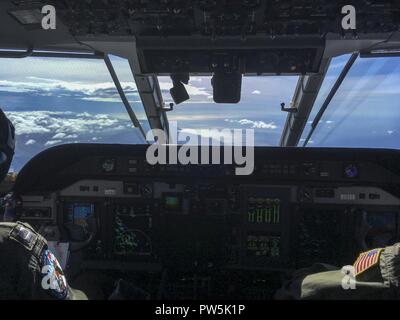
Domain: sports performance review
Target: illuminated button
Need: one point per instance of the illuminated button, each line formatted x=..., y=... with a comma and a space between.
x=348, y=197
x=110, y=192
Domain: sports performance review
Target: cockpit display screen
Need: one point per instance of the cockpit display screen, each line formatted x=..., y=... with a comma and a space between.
x=79, y=220
x=263, y=211
x=263, y=246
x=131, y=230
x=79, y=213
x=172, y=202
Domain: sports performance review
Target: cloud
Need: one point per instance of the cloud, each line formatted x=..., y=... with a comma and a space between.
x=104, y=92
x=224, y=137
x=52, y=85
x=52, y=142
x=59, y=135
x=192, y=90
x=62, y=135
x=196, y=79
x=65, y=125
x=256, y=92
x=30, y=142
x=38, y=130
x=254, y=124
x=99, y=99
x=302, y=140
x=197, y=91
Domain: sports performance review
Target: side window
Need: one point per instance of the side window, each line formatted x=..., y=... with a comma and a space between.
x=54, y=101
x=364, y=111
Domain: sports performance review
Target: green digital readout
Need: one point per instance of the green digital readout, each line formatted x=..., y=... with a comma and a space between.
x=263, y=211
x=263, y=246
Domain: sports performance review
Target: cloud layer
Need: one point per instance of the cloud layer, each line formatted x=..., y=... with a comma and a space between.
x=254, y=124
x=38, y=130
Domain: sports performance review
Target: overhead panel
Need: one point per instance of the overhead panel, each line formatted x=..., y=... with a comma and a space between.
x=253, y=36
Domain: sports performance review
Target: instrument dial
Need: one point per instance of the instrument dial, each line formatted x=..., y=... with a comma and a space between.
x=351, y=171
x=108, y=165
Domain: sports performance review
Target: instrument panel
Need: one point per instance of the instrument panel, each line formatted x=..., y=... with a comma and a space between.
x=120, y=213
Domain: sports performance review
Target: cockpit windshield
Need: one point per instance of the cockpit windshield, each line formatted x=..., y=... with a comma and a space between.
x=258, y=109
x=364, y=112
x=53, y=101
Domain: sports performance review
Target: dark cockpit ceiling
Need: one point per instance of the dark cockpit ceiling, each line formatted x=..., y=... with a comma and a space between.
x=258, y=37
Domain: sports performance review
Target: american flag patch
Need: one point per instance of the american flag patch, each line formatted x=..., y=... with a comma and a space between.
x=366, y=260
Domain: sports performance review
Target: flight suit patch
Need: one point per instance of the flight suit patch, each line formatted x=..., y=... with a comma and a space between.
x=53, y=280
x=366, y=260
x=24, y=236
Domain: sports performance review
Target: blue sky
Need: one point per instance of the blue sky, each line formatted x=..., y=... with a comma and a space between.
x=56, y=101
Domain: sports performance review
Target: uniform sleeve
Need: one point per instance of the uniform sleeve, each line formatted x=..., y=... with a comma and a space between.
x=371, y=278
x=21, y=263
x=292, y=289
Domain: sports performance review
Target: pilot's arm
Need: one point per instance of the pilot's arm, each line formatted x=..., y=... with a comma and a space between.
x=374, y=275
x=28, y=269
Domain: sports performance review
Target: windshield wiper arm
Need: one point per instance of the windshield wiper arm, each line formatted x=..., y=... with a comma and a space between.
x=331, y=94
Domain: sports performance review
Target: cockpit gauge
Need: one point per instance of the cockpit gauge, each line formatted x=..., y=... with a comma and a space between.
x=309, y=169
x=305, y=195
x=351, y=171
x=108, y=165
x=146, y=190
